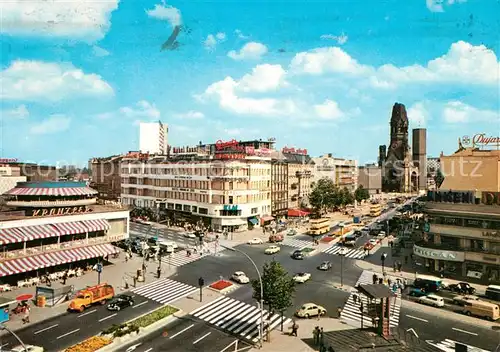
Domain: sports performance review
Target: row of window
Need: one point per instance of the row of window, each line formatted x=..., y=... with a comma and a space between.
x=197, y=197
x=197, y=171
x=464, y=222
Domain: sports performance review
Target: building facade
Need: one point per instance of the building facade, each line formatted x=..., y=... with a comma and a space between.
x=343, y=172
x=52, y=226
x=433, y=167
x=370, y=177
x=9, y=177
x=227, y=185
x=300, y=176
x=106, y=177
x=153, y=137
x=419, y=155
x=279, y=186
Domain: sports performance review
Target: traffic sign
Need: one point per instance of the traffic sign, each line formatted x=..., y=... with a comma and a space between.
x=427, y=227
x=99, y=268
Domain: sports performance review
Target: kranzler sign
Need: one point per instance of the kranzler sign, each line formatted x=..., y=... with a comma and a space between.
x=60, y=211
x=438, y=254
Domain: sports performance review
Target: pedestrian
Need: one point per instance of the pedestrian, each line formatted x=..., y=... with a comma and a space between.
x=26, y=318
x=158, y=271
x=316, y=335
x=374, y=278
x=321, y=337
x=400, y=265
x=355, y=298
x=391, y=244
x=126, y=257
x=319, y=313
x=135, y=281
x=295, y=328
x=339, y=312
x=394, y=266
x=380, y=281
x=64, y=278
x=389, y=282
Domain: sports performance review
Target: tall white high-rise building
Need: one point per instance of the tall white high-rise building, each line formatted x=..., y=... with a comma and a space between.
x=153, y=137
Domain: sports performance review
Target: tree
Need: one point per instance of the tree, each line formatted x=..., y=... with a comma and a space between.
x=346, y=197
x=361, y=194
x=439, y=178
x=278, y=287
x=323, y=195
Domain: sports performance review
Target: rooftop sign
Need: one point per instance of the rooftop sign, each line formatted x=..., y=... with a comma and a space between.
x=287, y=150
x=481, y=140
x=8, y=160
x=464, y=197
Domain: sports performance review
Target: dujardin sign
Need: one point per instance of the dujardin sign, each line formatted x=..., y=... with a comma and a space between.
x=439, y=254
x=60, y=211
x=481, y=140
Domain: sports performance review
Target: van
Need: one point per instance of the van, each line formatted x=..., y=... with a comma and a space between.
x=429, y=283
x=493, y=292
x=482, y=309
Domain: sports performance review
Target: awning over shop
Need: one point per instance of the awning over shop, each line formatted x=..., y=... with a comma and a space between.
x=297, y=213
x=95, y=225
x=55, y=191
x=266, y=218
x=71, y=228
x=27, y=233
x=254, y=221
x=21, y=265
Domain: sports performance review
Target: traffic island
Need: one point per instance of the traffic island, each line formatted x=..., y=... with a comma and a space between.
x=90, y=345
x=223, y=286
x=308, y=252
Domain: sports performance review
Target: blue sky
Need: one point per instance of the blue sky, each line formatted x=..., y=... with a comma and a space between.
x=77, y=77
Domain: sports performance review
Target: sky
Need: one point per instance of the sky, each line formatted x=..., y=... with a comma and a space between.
x=78, y=76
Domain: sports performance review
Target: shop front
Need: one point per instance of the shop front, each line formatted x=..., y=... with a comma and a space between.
x=440, y=261
x=229, y=225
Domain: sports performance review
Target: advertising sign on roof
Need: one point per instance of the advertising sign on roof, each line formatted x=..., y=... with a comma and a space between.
x=287, y=150
x=481, y=140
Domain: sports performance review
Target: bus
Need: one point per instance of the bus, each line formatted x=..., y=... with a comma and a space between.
x=493, y=292
x=319, y=226
x=375, y=210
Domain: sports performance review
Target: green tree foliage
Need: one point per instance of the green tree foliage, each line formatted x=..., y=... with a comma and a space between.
x=361, y=194
x=278, y=287
x=439, y=178
x=147, y=213
x=326, y=195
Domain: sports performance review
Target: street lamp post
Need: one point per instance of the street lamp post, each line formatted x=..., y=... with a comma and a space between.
x=342, y=254
x=3, y=327
x=261, y=303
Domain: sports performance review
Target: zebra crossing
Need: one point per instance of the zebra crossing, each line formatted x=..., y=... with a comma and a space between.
x=350, y=252
x=291, y=242
x=181, y=258
x=351, y=312
x=165, y=290
x=448, y=345
x=237, y=317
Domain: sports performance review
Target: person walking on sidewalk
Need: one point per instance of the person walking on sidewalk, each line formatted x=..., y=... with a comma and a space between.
x=295, y=328
x=374, y=278
x=316, y=335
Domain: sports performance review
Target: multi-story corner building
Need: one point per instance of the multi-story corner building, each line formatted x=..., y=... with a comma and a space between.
x=462, y=232
x=33, y=172
x=370, y=177
x=153, y=137
x=49, y=227
x=106, y=178
x=300, y=176
x=343, y=172
x=279, y=186
x=227, y=185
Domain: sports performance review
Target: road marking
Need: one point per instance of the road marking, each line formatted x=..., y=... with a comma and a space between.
x=66, y=334
x=108, y=317
x=140, y=304
x=201, y=338
x=87, y=313
x=464, y=331
x=50, y=327
x=133, y=347
x=417, y=318
x=149, y=349
x=180, y=332
x=413, y=331
x=5, y=344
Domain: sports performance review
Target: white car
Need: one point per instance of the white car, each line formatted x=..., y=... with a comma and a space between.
x=272, y=250
x=432, y=300
x=255, y=240
x=29, y=348
x=189, y=235
x=240, y=277
x=301, y=277
x=373, y=242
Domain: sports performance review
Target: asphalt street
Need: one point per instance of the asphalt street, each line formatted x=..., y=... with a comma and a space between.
x=62, y=331
x=186, y=335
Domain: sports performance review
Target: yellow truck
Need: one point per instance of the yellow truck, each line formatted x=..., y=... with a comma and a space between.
x=91, y=295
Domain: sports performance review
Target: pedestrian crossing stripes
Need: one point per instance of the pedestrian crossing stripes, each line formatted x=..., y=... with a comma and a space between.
x=449, y=346
x=165, y=290
x=237, y=317
x=351, y=313
x=291, y=242
x=181, y=258
x=350, y=252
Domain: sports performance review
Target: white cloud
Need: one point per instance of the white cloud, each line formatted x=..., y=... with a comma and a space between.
x=142, y=109
x=38, y=80
x=100, y=52
x=329, y=110
x=53, y=124
x=20, y=112
x=84, y=20
x=264, y=78
x=341, y=39
x=418, y=114
x=211, y=41
x=438, y=5
x=240, y=34
x=324, y=60
x=191, y=115
x=166, y=13
x=458, y=112
x=252, y=50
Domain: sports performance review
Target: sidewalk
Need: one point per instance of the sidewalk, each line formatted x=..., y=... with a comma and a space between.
x=113, y=274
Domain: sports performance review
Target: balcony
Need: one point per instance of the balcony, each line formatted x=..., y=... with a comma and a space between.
x=56, y=247
x=51, y=204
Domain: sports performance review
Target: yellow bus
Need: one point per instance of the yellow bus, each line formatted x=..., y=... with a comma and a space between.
x=319, y=226
x=375, y=210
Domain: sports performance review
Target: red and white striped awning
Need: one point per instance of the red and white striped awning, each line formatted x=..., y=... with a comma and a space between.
x=27, y=233
x=21, y=265
x=95, y=225
x=55, y=191
x=71, y=228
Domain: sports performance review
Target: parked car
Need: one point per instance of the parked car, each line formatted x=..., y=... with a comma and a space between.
x=255, y=240
x=278, y=237
x=272, y=250
x=417, y=292
x=240, y=277
x=120, y=302
x=462, y=300
x=297, y=255
x=431, y=300
x=326, y=265
x=301, y=277
x=310, y=310
x=189, y=234
x=462, y=287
